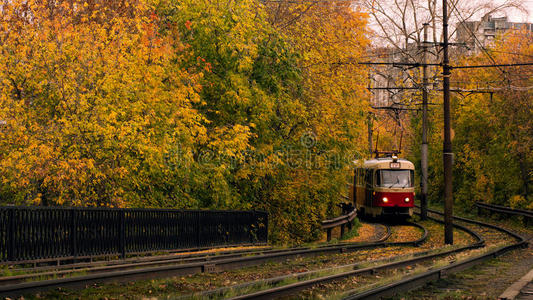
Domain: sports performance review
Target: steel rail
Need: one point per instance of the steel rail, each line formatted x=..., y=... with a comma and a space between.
x=432, y=275
x=301, y=285
x=58, y=262
x=386, y=236
x=291, y=288
x=517, y=236
x=221, y=291
x=137, y=259
x=170, y=268
x=165, y=260
x=209, y=259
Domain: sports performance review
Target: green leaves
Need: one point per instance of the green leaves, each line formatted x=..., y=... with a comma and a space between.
x=492, y=144
x=183, y=104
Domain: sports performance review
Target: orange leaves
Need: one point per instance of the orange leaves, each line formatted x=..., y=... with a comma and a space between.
x=99, y=105
x=181, y=103
x=493, y=130
x=327, y=35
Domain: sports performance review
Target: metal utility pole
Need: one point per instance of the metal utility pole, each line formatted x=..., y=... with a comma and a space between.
x=424, y=149
x=447, y=154
x=370, y=133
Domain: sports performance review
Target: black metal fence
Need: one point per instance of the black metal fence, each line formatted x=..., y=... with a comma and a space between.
x=30, y=233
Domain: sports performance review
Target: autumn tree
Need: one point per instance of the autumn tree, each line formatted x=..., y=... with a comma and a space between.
x=89, y=103
x=183, y=104
x=494, y=129
x=278, y=108
x=329, y=38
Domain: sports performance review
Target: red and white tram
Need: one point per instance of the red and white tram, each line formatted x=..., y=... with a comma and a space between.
x=383, y=186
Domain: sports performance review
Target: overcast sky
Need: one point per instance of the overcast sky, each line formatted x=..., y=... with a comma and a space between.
x=517, y=16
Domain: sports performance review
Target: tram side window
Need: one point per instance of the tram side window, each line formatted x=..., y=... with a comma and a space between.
x=368, y=177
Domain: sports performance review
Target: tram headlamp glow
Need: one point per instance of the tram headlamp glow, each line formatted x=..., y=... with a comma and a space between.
x=407, y=199
x=385, y=200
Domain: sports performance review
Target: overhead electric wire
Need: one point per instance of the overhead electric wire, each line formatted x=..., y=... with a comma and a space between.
x=492, y=66
x=308, y=1
x=512, y=53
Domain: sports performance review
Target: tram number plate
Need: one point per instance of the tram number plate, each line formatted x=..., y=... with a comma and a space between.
x=394, y=165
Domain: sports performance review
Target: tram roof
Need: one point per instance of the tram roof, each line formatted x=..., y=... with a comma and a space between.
x=383, y=163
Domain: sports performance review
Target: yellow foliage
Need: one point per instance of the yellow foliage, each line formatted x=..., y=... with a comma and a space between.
x=86, y=100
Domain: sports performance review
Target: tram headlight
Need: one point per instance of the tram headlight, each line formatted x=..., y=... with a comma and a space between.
x=407, y=199
x=385, y=200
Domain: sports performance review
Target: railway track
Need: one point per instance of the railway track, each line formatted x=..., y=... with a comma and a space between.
x=180, y=256
x=303, y=280
x=19, y=285
x=312, y=278
x=419, y=280
x=168, y=259
x=138, y=259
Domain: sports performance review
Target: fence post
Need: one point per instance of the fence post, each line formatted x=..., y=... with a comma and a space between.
x=253, y=223
x=266, y=226
x=342, y=230
x=11, y=234
x=329, y=234
x=73, y=233
x=122, y=233
x=198, y=229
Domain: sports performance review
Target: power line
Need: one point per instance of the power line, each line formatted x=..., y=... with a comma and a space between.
x=512, y=53
x=396, y=64
x=393, y=88
x=492, y=66
x=416, y=64
x=457, y=89
x=394, y=108
x=307, y=1
x=492, y=90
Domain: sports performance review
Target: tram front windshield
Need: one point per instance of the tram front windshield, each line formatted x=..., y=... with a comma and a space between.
x=395, y=178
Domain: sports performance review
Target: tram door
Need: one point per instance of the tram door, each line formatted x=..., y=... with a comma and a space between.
x=369, y=186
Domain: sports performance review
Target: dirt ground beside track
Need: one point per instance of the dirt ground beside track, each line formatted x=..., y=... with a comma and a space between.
x=485, y=281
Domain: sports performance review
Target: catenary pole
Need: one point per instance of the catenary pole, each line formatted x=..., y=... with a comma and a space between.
x=424, y=147
x=447, y=154
x=369, y=120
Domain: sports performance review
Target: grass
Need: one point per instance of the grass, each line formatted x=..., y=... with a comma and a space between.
x=388, y=279
x=353, y=232
x=289, y=279
x=397, y=277
x=319, y=273
x=437, y=264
